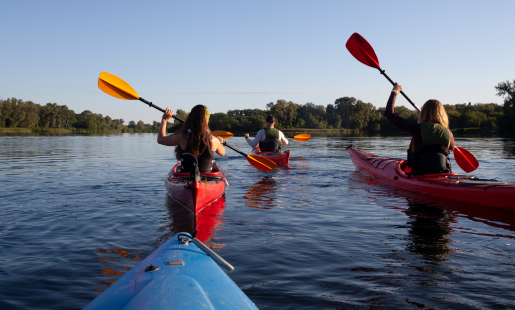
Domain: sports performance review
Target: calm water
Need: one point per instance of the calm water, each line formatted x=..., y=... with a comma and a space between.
x=76, y=212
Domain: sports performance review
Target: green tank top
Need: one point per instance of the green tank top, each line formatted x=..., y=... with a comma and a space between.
x=435, y=134
x=271, y=133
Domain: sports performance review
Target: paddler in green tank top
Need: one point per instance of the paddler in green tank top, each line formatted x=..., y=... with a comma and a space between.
x=268, y=138
x=431, y=139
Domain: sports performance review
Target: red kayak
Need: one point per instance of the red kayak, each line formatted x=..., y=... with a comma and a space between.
x=280, y=158
x=389, y=171
x=195, y=195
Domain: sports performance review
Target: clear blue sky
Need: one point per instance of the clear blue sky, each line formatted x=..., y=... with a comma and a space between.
x=245, y=54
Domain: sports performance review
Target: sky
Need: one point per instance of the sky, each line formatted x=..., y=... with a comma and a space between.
x=232, y=55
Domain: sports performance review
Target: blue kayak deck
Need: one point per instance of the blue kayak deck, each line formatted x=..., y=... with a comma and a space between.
x=186, y=278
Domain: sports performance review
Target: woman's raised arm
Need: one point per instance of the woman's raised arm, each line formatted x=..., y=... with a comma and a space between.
x=162, y=138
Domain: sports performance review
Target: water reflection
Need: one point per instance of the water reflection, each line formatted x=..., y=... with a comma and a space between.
x=428, y=230
x=261, y=195
x=116, y=263
x=204, y=226
x=446, y=210
x=509, y=146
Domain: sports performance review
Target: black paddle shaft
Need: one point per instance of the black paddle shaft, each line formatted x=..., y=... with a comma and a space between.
x=393, y=83
x=150, y=104
x=234, y=149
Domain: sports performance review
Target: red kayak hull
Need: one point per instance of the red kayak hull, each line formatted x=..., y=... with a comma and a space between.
x=281, y=158
x=198, y=195
x=449, y=185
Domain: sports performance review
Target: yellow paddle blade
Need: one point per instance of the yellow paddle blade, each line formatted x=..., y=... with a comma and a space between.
x=224, y=134
x=303, y=137
x=116, y=87
x=261, y=163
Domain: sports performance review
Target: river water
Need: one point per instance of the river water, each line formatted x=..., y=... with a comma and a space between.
x=77, y=212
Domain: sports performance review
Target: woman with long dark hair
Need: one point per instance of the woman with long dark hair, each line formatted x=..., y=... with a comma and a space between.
x=431, y=139
x=194, y=142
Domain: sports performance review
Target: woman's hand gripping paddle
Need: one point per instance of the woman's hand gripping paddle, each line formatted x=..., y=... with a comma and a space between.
x=116, y=87
x=364, y=53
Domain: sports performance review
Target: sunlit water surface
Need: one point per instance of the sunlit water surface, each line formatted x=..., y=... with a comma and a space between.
x=77, y=212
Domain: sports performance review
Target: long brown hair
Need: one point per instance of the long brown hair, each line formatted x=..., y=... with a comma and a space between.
x=200, y=136
x=433, y=111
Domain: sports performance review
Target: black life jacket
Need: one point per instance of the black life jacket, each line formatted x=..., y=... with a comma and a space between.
x=271, y=142
x=204, y=162
x=433, y=158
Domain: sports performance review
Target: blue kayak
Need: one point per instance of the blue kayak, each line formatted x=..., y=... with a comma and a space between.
x=180, y=274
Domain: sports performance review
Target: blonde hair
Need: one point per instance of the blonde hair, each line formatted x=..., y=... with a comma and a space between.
x=433, y=112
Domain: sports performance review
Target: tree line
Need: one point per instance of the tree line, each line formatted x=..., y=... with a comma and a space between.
x=16, y=113
x=345, y=113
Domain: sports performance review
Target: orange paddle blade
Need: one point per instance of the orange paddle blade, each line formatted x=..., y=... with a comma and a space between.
x=303, y=137
x=224, y=134
x=261, y=163
x=465, y=159
x=116, y=87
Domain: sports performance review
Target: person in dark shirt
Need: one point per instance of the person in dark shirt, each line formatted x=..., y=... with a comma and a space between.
x=431, y=139
x=194, y=142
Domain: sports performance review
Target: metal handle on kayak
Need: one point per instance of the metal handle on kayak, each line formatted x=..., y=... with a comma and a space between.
x=217, y=258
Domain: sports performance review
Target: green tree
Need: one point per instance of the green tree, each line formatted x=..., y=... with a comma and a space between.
x=285, y=113
x=472, y=119
x=345, y=108
x=507, y=91
x=337, y=121
x=362, y=112
x=31, y=115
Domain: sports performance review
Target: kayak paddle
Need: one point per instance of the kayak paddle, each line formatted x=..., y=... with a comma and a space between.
x=303, y=137
x=364, y=53
x=465, y=159
x=116, y=87
x=224, y=134
x=259, y=162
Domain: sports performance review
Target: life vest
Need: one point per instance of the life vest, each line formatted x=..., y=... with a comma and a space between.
x=432, y=159
x=271, y=142
x=204, y=162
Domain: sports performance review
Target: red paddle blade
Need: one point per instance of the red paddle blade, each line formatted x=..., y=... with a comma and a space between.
x=362, y=50
x=465, y=159
x=261, y=163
